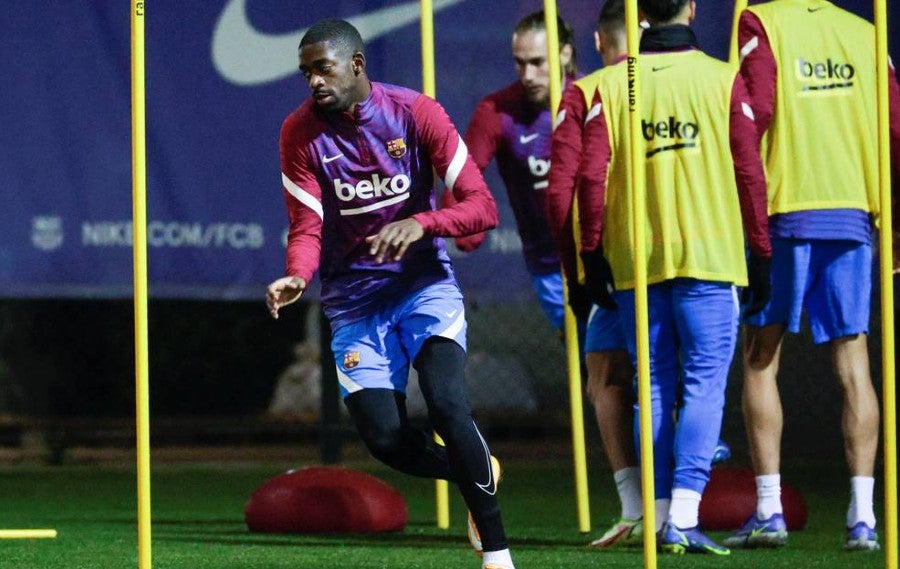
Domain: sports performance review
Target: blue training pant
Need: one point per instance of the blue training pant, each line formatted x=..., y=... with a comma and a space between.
x=693, y=330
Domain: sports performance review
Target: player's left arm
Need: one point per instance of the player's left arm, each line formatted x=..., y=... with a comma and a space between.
x=482, y=139
x=475, y=209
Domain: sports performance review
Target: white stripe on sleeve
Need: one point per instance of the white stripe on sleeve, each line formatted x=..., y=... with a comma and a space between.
x=593, y=113
x=748, y=111
x=456, y=165
x=560, y=117
x=302, y=195
x=749, y=47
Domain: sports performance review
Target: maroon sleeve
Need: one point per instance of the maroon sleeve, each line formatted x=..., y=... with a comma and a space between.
x=591, y=192
x=758, y=69
x=565, y=158
x=894, y=104
x=484, y=133
x=475, y=209
x=482, y=139
x=303, y=197
x=467, y=243
x=748, y=172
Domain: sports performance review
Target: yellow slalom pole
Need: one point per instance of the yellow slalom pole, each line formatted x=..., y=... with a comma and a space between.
x=139, y=205
x=733, y=55
x=573, y=355
x=27, y=533
x=885, y=254
x=441, y=488
x=637, y=160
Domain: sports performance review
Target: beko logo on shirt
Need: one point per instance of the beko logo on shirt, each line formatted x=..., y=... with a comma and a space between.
x=539, y=168
x=683, y=134
x=829, y=69
x=824, y=75
x=377, y=187
x=671, y=128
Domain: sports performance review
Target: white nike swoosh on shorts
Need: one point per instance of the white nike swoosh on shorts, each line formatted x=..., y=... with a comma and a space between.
x=245, y=56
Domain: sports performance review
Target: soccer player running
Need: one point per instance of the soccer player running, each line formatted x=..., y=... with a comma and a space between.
x=610, y=374
x=705, y=188
x=357, y=161
x=514, y=125
x=810, y=71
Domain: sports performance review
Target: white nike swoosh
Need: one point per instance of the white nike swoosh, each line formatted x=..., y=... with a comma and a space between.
x=526, y=139
x=452, y=313
x=486, y=487
x=245, y=56
x=327, y=159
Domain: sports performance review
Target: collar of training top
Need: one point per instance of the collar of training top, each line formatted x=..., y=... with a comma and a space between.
x=671, y=37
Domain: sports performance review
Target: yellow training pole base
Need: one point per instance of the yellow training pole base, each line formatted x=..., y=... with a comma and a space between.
x=27, y=533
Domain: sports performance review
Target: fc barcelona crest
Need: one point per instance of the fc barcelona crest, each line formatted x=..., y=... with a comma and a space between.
x=396, y=148
x=351, y=360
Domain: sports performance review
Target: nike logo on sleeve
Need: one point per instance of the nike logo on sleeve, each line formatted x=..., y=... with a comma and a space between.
x=246, y=56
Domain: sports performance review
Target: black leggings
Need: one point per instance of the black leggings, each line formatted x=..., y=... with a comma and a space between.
x=381, y=419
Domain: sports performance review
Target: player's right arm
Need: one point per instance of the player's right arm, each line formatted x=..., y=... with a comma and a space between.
x=565, y=159
x=591, y=196
x=759, y=69
x=303, y=198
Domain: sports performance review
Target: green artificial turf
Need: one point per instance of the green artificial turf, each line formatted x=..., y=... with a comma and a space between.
x=198, y=522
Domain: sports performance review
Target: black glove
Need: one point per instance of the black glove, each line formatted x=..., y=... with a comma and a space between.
x=579, y=301
x=759, y=288
x=599, y=279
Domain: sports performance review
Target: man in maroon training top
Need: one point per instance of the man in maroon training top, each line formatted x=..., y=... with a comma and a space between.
x=357, y=161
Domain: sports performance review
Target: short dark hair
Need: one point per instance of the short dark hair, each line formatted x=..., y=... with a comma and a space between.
x=662, y=10
x=612, y=16
x=341, y=34
x=535, y=21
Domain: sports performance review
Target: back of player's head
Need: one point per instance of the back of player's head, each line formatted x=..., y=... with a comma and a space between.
x=340, y=34
x=535, y=22
x=661, y=11
x=612, y=16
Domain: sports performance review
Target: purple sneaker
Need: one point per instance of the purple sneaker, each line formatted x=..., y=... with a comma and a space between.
x=861, y=538
x=760, y=533
x=688, y=540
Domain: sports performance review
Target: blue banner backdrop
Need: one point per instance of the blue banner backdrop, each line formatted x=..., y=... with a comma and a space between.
x=221, y=77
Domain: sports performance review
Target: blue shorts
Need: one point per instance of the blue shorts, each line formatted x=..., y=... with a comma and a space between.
x=830, y=280
x=604, y=331
x=549, y=289
x=376, y=351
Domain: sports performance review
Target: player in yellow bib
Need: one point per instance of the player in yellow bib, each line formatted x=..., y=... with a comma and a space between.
x=810, y=71
x=705, y=188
